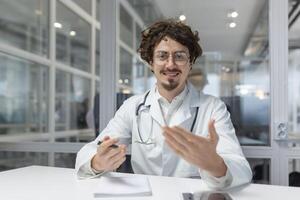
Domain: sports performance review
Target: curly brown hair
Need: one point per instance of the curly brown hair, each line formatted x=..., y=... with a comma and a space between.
x=177, y=31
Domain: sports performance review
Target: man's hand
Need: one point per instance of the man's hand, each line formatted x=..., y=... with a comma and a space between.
x=197, y=150
x=108, y=158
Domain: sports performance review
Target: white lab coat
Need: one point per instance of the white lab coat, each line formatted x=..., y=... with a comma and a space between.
x=158, y=158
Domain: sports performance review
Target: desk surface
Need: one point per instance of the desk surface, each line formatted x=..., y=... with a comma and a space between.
x=37, y=182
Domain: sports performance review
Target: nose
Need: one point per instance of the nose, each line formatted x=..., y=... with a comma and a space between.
x=170, y=62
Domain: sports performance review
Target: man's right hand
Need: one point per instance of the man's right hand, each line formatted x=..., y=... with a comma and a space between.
x=107, y=157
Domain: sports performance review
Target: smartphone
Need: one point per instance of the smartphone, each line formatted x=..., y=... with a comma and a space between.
x=207, y=196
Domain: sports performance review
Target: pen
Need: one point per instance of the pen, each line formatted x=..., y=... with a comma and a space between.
x=112, y=146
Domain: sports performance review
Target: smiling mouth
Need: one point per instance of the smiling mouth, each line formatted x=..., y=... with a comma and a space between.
x=171, y=74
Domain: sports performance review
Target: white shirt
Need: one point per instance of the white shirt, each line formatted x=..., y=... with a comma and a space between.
x=158, y=158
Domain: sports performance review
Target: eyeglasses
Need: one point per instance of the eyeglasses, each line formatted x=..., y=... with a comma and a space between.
x=180, y=58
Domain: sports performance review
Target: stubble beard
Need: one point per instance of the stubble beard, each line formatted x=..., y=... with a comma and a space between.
x=171, y=85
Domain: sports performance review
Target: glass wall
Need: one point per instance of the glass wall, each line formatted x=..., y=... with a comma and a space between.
x=25, y=25
x=294, y=70
x=29, y=110
x=294, y=172
x=72, y=38
x=12, y=160
x=72, y=101
x=24, y=98
x=260, y=170
x=134, y=76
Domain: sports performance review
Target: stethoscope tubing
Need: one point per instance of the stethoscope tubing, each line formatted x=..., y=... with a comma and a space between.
x=137, y=113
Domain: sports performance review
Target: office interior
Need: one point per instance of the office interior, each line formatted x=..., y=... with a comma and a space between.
x=67, y=65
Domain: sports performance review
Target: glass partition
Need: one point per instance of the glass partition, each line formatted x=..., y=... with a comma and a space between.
x=72, y=38
x=294, y=172
x=24, y=98
x=260, y=170
x=24, y=25
x=71, y=105
x=11, y=160
x=294, y=71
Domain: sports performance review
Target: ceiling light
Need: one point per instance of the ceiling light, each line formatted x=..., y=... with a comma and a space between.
x=182, y=17
x=232, y=24
x=72, y=33
x=57, y=25
x=234, y=14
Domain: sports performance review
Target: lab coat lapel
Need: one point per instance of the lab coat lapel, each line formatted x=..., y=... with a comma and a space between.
x=155, y=110
x=156, y=113
x=184, y=112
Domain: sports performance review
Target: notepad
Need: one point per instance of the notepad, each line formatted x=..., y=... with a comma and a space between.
x=123, y=186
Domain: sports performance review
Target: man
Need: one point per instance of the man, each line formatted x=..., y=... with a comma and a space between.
x=174, y=130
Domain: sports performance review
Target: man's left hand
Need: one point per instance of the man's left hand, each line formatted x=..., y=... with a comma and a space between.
x=197, y=150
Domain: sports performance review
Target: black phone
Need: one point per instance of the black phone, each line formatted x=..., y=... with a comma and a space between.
x=207, y=196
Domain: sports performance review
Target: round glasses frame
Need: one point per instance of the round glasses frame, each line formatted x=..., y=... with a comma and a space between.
x=179, y=58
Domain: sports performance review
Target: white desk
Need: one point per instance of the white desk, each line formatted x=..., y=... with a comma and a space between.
x=36, y=182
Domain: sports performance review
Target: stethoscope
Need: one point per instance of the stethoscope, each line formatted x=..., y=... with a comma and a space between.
x=150, y=140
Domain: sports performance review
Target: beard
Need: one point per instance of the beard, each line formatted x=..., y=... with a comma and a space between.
x=171, y=85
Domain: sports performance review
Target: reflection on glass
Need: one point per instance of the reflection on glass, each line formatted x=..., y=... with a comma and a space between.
x=126, y=27
x=139, y=83
x=24, y=24
x=147, y=10
x=72, y=39
x=294, y=70
x=65, y=160
x=294, y=172
x=126, y=65
x=134, y=76
x=72, y=102
x=260, y=169
x=13, y=160
x=238, y=73
x=85, y=5
x=23, y=97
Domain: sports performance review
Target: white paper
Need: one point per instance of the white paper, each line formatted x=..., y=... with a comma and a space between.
x=123, y=186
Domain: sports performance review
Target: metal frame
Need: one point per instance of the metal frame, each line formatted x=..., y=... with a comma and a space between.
x=108, y=59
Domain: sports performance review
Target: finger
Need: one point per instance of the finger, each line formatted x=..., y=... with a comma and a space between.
x=117, y=157
x=175, y=135
x=176, y=147
x=106, y=138
x=123, y=148
x=213, y=136
x=190, y=136
x=110, y=153
x=118, y=163
x=108, y=143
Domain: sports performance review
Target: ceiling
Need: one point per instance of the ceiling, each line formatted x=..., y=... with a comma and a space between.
x=209, y=17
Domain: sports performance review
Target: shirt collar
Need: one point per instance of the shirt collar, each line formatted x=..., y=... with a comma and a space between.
x=190, y=93
x=177, y=99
